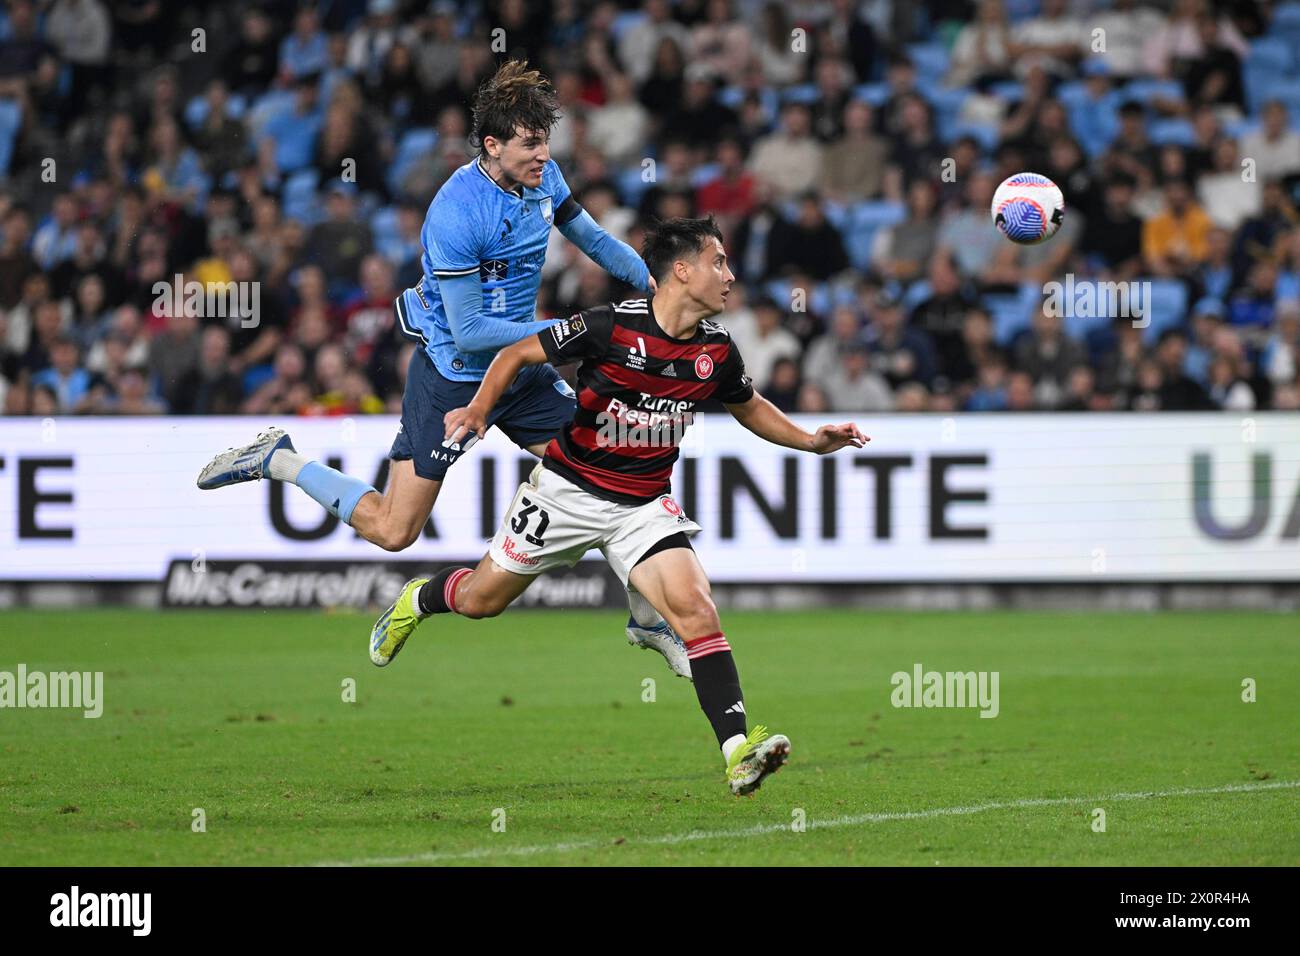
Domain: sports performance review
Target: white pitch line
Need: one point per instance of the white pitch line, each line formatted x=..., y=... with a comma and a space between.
x=844, y=821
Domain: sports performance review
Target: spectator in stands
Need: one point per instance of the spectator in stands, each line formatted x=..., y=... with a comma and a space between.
x=1179, y=392
x=783, y=385
x=65, y=376
x=618, y=127
x=774, y=47
x=341, y=242
x=899, y=353
x=901, y=252
x=1280, y=357
x=855, y=386
x=1274, y=148
x=1214, y=75
x=1113, y=235
x=808, y=244
x=721, y=43
x=854, y=164
x=825, y=354
x=1053, y=40
x=641, y=45
x=306, y=49
x=211, y=387
x=1261, y=237
x=16, y=262
x=942, y=314
x=1127, y=27
x=1047, y=354
x=1227, y=196
x=789, y=161
x=763, y=343
x=963, y=237
x=915, y=152
x=981, y=54
x=731, y=194
x=1174, y=242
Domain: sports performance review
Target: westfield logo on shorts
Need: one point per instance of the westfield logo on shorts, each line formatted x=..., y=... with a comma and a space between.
x=522, y=557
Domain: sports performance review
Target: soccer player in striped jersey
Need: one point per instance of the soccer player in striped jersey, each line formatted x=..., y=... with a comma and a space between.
x=604, y=481
x=484, y=240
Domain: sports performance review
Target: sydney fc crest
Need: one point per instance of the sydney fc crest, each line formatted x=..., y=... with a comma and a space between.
x=547, y=212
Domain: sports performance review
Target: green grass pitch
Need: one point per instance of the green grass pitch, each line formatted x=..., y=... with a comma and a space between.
x=537, y=719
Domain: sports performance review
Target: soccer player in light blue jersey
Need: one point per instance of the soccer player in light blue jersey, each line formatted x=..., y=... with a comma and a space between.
x=484, y=241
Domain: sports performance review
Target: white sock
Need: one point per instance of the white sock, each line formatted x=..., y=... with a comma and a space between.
x=729, y=746
x=642, y=610
x=286, y=464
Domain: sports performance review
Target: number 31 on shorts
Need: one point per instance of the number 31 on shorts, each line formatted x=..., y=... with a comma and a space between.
x=520, y=520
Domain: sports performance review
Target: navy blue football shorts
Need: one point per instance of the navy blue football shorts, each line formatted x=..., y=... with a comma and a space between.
x=532, y=410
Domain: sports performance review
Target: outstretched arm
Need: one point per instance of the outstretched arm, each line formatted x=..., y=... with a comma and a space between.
x=473, y=330
x=617, y=258
x=459, y=422
x=767, y=421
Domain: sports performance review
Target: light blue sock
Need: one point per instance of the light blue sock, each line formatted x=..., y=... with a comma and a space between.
x=337, y=493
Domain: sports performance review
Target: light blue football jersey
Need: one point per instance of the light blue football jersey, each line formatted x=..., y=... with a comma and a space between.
x=474, y=226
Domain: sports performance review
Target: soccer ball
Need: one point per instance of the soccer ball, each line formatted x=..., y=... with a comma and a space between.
x=1028, y=208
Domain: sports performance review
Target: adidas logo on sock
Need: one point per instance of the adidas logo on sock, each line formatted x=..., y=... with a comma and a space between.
x=737, y=708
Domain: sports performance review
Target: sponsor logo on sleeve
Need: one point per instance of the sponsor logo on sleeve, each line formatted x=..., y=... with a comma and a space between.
x=568, y=329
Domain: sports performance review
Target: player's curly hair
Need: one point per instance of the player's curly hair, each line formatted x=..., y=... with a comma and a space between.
x=668, y=240
x=515, y=97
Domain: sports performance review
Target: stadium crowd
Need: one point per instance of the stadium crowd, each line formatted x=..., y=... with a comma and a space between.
x=848, y=150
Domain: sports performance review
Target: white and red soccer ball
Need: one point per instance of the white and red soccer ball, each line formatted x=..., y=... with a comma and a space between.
x=1028, y=208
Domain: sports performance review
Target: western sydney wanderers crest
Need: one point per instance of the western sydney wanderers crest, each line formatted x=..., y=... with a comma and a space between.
x=703, y=365
x=547, y=212
x=673, y=508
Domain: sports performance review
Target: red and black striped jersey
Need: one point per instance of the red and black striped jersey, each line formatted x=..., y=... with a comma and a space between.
x=637, y=391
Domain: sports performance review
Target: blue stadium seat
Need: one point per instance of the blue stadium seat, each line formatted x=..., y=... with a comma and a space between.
x=1285, y=89
x=930, y=59
x=299, y=197
x=383, y=223
x=1271, y=53
x=865, y=219
x=947, y=105
x=702, y=174
x=1144, y=91
x=916, y=293
x=1013, y=312
x=1013, y=91
x=1286, y=16
x=11, y=121
x=268, y=107
x=1081, y=327
x=985, y=133
x=623, y=22
x=415, y=142
x=873, y=93
x=631, y=187
x=837, y=214
x=1167, y=308
x=1178, y=132
x=805, y=93
x=1018, y=10
x=1072, y=93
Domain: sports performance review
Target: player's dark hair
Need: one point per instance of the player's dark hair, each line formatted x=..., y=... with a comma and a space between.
x=669, y=240
x=515, y=97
